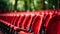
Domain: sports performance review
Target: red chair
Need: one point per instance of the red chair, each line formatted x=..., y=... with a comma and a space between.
x=16, y=20
x=9, y=19
x=58, y=31
x=53, y=26
x=12, y=21
x=47, y=19
x=20, y=23
x=36, y=26
x=3, y=18
x=19, y=20
x=28, y=22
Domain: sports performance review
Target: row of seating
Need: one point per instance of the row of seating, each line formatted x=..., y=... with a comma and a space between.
x=33, y=22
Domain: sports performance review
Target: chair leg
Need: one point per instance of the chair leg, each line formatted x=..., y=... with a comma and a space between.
x=42, y=30
x=16, y=32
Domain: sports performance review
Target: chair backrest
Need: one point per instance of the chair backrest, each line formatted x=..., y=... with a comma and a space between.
x=3, y=18
x=16, y=20
x=36, y=26
x=28, y=22
x=47, y=19
x=12, y=21
x=54, y=25
x=58, y=31
x=9, y=18
x=21, y=21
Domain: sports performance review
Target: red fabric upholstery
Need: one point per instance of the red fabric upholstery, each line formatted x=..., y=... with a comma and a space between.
x=3, y=17
x=12, y=21
x=28, y=22
x=22, y=32
x=16, y=20
x=47, y=19
x=37, y=24
x=58, y=32
x=53, y=27
x=20, y=22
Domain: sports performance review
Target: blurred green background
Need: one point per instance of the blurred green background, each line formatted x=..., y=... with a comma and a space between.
x=28, y=4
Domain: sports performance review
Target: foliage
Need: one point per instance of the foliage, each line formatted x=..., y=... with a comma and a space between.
x=29, y=5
